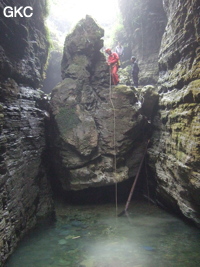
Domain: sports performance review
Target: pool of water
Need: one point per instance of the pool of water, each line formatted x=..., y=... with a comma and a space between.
x=93, y=236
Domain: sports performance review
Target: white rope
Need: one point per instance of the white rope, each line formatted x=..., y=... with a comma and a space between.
x=114, y=141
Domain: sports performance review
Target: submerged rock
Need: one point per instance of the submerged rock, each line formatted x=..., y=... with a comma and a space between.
x=94, y=123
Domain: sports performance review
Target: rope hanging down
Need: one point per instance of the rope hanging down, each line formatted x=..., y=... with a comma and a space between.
x=114, y=141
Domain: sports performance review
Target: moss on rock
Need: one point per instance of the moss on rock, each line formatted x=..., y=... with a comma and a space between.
x=66, y=120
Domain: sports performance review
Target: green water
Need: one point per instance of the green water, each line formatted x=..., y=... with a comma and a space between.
x=92, y=236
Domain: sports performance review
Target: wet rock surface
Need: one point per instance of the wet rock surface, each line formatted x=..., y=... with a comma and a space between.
x=175, y=154
x=23, y=45
x=144, y=22
x=85, y=113
x=25, y=193
x=94, y=123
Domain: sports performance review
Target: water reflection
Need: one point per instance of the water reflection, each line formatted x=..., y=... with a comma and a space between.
x=92, y=236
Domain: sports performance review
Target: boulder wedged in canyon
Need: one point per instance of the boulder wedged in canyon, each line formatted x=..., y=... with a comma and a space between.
x=93, y=122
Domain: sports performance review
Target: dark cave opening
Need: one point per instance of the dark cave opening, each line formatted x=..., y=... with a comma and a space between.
x=106, y=194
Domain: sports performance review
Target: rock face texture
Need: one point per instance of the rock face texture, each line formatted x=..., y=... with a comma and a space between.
x=25, y=193
x=53, y=72
x=23, y=44
x=144, y=22
x=175, y=154
x=94, y=124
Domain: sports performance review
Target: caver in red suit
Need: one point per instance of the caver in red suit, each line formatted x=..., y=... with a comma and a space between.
x=112, y=60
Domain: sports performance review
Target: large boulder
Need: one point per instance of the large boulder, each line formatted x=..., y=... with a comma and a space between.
x=94, y=124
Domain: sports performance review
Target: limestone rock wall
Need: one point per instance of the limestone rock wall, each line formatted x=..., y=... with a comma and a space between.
x=175, y=153
x=23, y=44
x=144, y=22
x=25, y=193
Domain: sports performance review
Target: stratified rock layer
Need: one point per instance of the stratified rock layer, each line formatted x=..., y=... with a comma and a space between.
x=95, y=124
x=175, y=155
x=25, y=193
